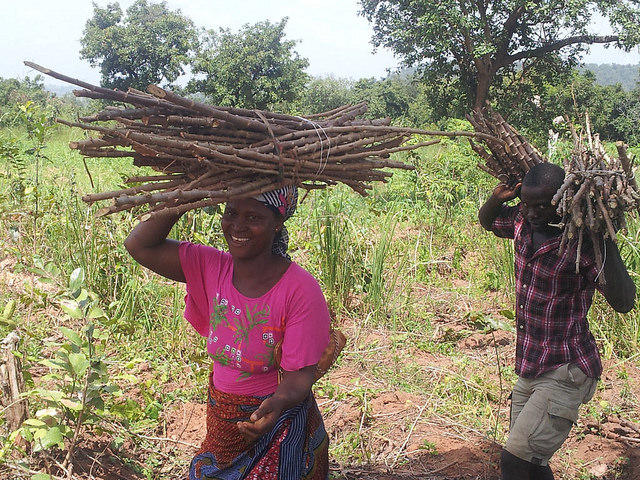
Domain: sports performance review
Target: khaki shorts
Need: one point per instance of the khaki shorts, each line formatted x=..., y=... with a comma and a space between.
x=544, y=409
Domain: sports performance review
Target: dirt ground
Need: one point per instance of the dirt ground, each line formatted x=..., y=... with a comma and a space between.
x=607, y=450
x=402, y=443
x=391, y=435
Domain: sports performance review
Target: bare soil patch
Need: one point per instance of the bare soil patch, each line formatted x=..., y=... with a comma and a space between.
x=394, y=430
x=401, y=442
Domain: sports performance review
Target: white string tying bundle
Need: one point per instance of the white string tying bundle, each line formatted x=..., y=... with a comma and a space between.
x=319, y=128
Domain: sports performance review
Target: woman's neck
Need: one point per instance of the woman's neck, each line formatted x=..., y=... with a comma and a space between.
x=255, y=277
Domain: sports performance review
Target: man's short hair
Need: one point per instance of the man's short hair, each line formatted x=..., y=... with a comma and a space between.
x=544, y=174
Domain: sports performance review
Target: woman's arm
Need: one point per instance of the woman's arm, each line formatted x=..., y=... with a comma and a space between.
x=149, y=246
x=292, y=390
x=619, y=289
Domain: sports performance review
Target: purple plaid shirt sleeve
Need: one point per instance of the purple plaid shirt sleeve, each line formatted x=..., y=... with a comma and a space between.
x=552, y=300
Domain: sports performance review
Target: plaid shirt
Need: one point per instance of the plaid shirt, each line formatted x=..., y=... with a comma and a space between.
x=552, y=300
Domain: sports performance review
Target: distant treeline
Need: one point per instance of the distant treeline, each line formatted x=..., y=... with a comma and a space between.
x=613, y=73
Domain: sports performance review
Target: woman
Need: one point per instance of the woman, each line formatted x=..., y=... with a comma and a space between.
x=245, y=301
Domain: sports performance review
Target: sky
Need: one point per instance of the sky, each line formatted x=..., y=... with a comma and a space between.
x=330, y=34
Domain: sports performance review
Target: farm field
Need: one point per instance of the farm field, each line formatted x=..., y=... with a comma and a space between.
x=423, y=294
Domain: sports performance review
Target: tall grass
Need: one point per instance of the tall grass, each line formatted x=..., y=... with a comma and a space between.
x=618, y=334
x=333, y=243
x=351, y=244
x=380, y=288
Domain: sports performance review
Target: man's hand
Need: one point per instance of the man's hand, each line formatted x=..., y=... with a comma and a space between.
x=491, y=208
x=504, y=193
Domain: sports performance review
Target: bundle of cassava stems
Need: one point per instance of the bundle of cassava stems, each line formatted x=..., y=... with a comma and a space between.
x=205, y=155
x=599, y=188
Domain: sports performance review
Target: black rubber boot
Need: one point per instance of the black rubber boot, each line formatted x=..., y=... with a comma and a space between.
x=514, y=468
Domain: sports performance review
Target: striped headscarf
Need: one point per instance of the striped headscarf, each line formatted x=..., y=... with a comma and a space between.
x=282, y=201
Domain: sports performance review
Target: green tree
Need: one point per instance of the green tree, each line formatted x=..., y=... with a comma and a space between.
x=612, y=110
x=14, y=90
x=609, y=106
x=255, y=68
x=628, y=121
x=149, y=45
x=471, y=46
x=325, y=93
x=14, y=93
x=390, y=97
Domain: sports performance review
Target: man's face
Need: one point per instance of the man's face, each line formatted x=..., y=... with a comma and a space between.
x=537, y=208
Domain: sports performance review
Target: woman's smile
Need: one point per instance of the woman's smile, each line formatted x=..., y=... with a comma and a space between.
x=239, y=239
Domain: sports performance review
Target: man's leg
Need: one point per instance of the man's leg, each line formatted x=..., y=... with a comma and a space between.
x=538, y=472
x=543, y=412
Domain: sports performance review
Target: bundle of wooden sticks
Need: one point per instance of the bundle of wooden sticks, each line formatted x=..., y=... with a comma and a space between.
x=205, y=155
x=597, y=192
x=510, y=155
x=598, y=189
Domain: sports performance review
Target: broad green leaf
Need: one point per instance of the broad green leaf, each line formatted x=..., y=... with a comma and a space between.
x=76, y=279
x=96, y=312
x=9, y=309
x=54, y=395
x=112, y=389
x=79, y=363
x=26, y=433
x=507, y=314
x=34, y=422
x=497, y=324
x=51, y=364
x=41, y=476
x=71, y=308
x=52, y=269
x=53, y=436
x=71, y=335
x=82, y=297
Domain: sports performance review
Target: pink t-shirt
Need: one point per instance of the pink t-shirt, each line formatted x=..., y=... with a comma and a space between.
x=243, y=331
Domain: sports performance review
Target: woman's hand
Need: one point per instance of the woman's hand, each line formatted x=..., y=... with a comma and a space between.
x=292, y=390
x=262, y=420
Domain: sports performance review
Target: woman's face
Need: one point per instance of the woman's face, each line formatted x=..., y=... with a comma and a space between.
x=537, y=208
x=249, y=228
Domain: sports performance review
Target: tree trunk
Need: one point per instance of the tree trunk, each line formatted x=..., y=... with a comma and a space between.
x=482, y=90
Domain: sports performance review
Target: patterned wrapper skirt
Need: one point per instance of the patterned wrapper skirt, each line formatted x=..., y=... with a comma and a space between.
x=296, y=449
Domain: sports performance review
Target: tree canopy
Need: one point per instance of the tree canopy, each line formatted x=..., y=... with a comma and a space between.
x=255, y=68
x=149, y=45
x=474, y=45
